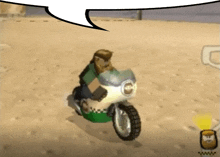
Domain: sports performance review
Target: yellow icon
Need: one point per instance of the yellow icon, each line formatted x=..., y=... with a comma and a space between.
x=203, y=121
x=208, y=137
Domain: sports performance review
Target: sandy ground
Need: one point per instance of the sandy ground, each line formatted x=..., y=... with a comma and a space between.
x=41, y=59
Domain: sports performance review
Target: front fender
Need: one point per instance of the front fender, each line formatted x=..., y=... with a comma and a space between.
x=111, y=108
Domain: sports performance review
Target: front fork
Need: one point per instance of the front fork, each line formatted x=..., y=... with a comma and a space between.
x=114, y=108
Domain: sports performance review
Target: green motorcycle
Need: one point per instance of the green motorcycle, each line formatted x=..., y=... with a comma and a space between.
x=121, y=86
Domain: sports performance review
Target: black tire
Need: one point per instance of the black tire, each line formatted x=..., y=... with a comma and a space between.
x=75, y=90
x=73, y=95
x=135, y=123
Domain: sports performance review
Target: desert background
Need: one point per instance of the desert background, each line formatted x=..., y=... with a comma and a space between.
x=41, y=58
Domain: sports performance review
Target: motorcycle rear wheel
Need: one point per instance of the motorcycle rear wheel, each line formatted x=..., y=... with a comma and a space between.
x=126, y=122
x=73, y=95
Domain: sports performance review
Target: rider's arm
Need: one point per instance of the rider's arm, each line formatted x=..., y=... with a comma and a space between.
x=93, y=85
x=89, y=77
x=98, y=92
x=81, y=76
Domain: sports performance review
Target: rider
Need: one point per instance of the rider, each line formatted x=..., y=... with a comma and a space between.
x=89, y=84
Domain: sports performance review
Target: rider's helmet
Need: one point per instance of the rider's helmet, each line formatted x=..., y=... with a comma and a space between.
x=102, y=61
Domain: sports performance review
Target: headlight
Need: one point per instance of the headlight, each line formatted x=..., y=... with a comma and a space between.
x=127, y=87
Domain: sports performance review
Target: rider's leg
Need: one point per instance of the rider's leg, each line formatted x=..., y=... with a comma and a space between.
x=85, y=92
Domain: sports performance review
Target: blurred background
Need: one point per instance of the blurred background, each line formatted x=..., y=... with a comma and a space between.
x=209, y=13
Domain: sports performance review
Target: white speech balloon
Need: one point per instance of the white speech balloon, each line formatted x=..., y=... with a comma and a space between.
x=76, y=12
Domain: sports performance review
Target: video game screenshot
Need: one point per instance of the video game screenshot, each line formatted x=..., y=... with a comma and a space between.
x=109, y=79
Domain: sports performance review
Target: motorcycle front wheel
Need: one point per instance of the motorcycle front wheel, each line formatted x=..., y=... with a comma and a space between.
x=126, y=122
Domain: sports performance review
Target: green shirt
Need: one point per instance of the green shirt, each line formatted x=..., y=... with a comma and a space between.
x=89, y=74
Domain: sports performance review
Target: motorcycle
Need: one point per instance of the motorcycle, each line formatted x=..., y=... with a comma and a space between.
x=121, y=86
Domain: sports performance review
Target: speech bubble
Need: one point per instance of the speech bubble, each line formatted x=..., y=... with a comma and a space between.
x=77, y=12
